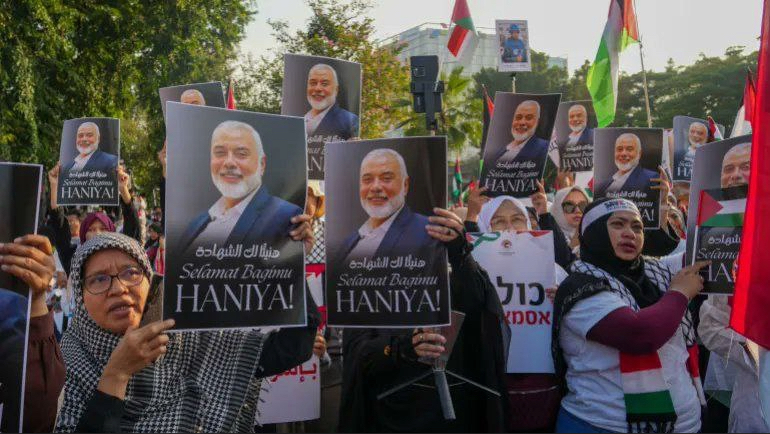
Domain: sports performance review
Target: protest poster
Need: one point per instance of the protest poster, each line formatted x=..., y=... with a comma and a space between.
x=513, y=44
x=208, y=94
x=574, y=135
x=718, y=236
x=295, y=394
x=626, y=164
x=383, y=269
x=522, y=291
x=231, y=190
x=719, y=178
x=689, y=135
x=20, y=186
x=89, y=155
x=517, y=144
x=327, y=93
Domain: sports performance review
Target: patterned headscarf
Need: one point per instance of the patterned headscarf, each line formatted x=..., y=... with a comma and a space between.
x=206, y=381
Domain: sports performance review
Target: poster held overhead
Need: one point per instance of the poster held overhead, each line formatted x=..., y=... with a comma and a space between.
x=20, y=186
x=383, y=268
x=574, y=135
x=513, y=44
x=720, y=178
x=232, y=190
x=209, y=94
x=522, y=291
x=517, y=144
x=626, y=164
x=89, y=156
x=327, y=93
x=689, y=135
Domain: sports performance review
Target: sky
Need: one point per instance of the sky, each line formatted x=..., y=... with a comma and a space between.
x=678, y=29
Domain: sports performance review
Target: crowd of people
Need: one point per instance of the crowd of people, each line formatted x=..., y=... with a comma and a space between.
x=627, y=328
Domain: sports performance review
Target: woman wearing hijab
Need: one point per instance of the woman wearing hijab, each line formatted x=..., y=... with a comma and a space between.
x=477, y=202
x=123, y=377
x=376, y=360
x=93, y=223
x=533, y=398
x=622, y=335
x=567, y=210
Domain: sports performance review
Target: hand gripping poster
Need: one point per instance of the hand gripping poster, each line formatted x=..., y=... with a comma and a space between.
x=517, y=144
x=88, y=158
x=20, y=186
x=627, y=165
x=718, y=192
x=383, y=268
x=326, y=92
x=520, y=265
x=232, y=189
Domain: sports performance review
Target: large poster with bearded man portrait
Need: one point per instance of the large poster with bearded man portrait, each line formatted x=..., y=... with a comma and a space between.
x=718, y=191
x=232, y=197
x=517, y=144
x=88, y=162
x=326, y=92
x=574, y=135
x=627, y=165
x=689, y=135
x=385, y=267
x=209, y=94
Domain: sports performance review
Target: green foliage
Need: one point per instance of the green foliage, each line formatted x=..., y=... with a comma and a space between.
x=341, y=30
x=542, y=79
x=460, y=119
x=64, y=59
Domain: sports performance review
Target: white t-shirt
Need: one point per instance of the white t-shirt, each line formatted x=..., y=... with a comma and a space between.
x=593, y=371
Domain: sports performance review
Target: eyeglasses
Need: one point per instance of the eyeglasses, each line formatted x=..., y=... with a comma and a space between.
x=569, y=207
x=99, y=283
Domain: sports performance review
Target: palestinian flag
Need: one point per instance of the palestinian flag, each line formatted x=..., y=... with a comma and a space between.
x=722, y=207
x=457, y=184
x=645, y=392
x=714, y=132
x=752, y=286
x=463, y=38
x=620, y=31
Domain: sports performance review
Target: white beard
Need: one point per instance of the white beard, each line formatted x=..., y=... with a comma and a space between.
x=523, y=137
x=387, y=210
x=324, y=104
x=88, y=150
x=628, y=166
x=239, y=190
x=578, y=128
x=695, y=145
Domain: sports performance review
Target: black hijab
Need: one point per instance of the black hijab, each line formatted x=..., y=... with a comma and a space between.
x=596, y=249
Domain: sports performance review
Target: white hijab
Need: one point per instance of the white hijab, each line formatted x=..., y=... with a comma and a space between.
x=558, y=213
x=490, y=208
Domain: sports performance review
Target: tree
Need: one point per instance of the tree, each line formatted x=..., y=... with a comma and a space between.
x=542, y=78
x=339, y=30
x=64, y=59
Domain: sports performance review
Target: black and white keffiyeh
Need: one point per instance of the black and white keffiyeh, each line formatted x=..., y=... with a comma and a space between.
x=206, y=381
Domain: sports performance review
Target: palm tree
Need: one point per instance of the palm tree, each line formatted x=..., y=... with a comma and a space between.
x=460, y=119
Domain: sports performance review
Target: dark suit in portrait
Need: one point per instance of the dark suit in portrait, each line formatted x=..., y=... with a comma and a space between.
x=535, y=150
x=99, y=161
x=587, y=136
x=265, y=219
x=407, y=235
x=338, y=122
x=639, y=179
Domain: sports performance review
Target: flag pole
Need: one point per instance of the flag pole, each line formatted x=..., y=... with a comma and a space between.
x=644, y=71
